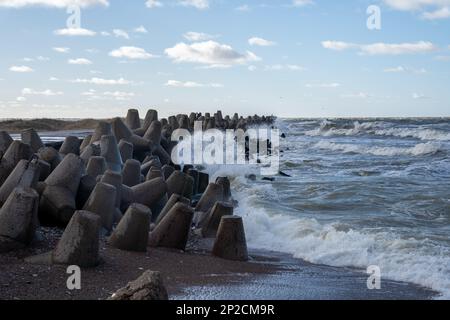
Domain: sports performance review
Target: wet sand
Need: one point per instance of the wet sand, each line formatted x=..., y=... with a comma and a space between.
x=193, y=274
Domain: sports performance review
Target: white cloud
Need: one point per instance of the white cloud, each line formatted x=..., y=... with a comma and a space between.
x=21, y=99
x=256, y=41
x=141, y=29
x=153, y=4
x=105, y=33
x=302, y=3
x=358, y=95
x=323, y=85
x=381, y=48
x=131, y=53
x=419, y=96
x=61, y=49
x=252, y=68
x=243, y=8
x=405, y=69
x=79, y=61
x=119, y=33
x=21, y=69
x=209, y=52
x=191, y=84
x=442, y=13
x=119, y=95
x=90, y=92
x=53, y=79
x=62, y=4
x=394, y=69
x=199, y=4
x=74, y=32
x=280, y=67
x=100, y=81
x=413, y=5
x=198, y=36
x=47, y=93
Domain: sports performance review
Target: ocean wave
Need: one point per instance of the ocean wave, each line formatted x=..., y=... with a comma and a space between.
x=418, y=150
x=378, y=128
x=422, y=262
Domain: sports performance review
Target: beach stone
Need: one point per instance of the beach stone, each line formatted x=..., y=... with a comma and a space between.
x=131, y=233
x=71, y=145
x=214, y=217
x=212, y=194
x=126, y=150
x=149, y=286
x=225, y=183
x=86, y=141
x=100, y=203
x=174, y=199
x=96, y=166
x=150, y=192
x=180, y=183
x=87, y=185
x=110, y=151
x=92, y=150
x=173, y=230
x=132, y=120
x=51, y=156
x=18, y=219
x=203, y=182
x=5, y=141
x=16, y=151
x=151, y=116
x=230, y=241
x=103, y=129
x=25, y=174
x=58, y=198
x=31, y=137
x=79, y=244
x=131, y=173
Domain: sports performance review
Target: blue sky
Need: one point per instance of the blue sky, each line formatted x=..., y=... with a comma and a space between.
x=299, y=58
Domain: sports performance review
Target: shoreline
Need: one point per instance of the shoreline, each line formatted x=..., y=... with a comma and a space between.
x=194, y=275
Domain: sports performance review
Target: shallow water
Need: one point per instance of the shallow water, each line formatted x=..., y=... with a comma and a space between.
x=362, y=192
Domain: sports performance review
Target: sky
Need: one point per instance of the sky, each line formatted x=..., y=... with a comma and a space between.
x=290, y=58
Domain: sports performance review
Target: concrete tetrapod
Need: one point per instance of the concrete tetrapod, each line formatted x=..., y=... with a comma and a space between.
x=174, y=199
x=16, y=151
x=58, y=198
x=25, y=174
x=31, y=137
x=71, y=145
x=79, y=244
x=18, y=219
x=173, y=230
x=230, y=241
x=212, y=194
x=110, y=151
x=150, y=192
x=100, y=203
x=131, y=233
x=132, y=120
x=212, y=222
x=96, y=166
x=5, y=141
x=131, y=173
x=121, y=131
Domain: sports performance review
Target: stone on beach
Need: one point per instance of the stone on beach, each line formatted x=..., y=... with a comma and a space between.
x=131, y=233
x=96, y=166
x=100, y=203
x=148, y=286
x=132, y=120
x=18, y=219
x=5, y=141
x=31, y=137
x=212, y=194
x=150, y=192
x=25, y=174
x=71, y=145
x=230, y=241
x=79, y=244
x=212, y=221
x=58, y=198
x=173, y=230
x=174, y=199
x=110, y=151
x=131, y=173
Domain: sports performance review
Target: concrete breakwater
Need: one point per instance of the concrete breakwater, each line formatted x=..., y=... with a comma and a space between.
x=118, y=183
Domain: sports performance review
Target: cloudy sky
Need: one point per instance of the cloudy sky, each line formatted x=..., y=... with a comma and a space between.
x=293, y=58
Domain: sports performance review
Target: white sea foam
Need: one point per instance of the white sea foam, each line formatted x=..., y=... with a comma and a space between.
x=379, y=128
x=418, y=150
x=417, y=261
